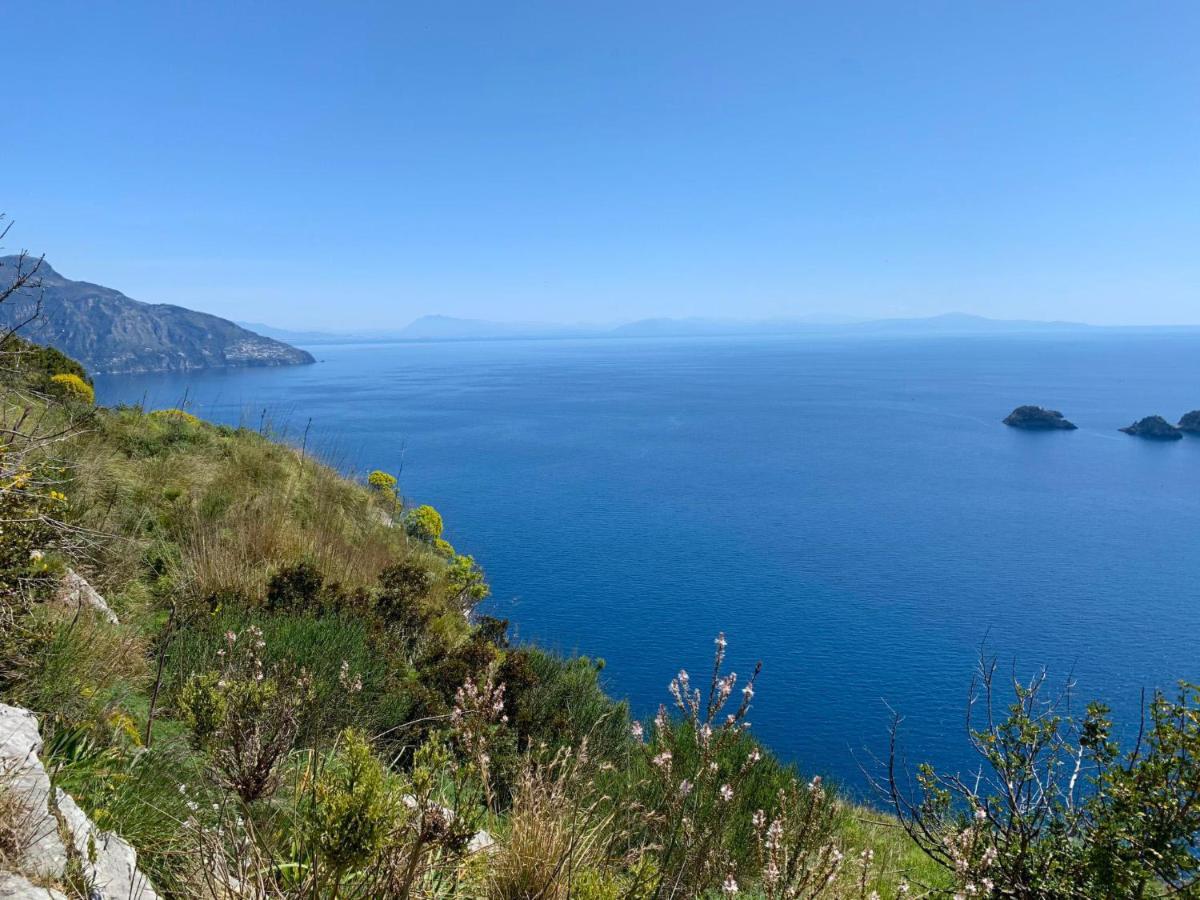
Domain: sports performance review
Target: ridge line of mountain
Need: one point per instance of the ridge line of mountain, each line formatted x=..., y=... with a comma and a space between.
x=111, y=333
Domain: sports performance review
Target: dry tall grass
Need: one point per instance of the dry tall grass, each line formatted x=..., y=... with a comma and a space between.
x=557, y=829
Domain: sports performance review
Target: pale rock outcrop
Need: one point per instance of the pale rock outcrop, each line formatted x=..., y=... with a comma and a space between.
x=74, y=592
x=108, y=863
x=27, y=792
x=481, y=842
x=18, y=887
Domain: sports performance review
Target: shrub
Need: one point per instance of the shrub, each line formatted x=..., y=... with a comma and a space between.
x=424, y=523
x=174, y=417
x=1057, y=812
x=383, y=484
x=466, y=581
x=72, y=387
x=297, y=587
x=243, y=720
x=403, y=589
x=38, y=363
x=353, y=809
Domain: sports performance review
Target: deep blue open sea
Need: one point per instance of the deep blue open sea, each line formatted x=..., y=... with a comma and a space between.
x=850, y=512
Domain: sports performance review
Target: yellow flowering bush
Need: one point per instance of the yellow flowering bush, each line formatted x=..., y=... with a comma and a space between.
x=425, y=524
x=175, y=416
x=71, y=387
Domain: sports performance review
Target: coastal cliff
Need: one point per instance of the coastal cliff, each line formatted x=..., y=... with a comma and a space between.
x=110, y=333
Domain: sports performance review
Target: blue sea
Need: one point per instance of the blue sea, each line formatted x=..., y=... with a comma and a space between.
x=850, y=512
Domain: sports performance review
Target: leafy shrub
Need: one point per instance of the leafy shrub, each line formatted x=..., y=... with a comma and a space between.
x=297, y=587
x=384, y=485
x=38, y=363
x=559, y=702
x=353, y=809
x=1058, y=811
x=243, y=720
x=403, y=589
x=424, y=523
x=72, y=387
x=174, y=417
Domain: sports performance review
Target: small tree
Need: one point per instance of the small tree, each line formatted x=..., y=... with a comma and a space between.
x=1057, y=812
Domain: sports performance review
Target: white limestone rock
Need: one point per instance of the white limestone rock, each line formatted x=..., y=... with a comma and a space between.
x=18, y=887
x=109, y=863
x=27, y=786
x=74, y=592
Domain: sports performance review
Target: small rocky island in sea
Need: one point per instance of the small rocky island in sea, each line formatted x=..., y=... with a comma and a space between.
x=1154, y=428
x=1191, y=422
x=1036, y=418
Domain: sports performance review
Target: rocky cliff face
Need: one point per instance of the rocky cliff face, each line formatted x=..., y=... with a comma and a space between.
x=1191, y=422
x=110, y=333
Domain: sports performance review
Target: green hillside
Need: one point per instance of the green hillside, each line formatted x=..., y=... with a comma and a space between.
x=300, y=700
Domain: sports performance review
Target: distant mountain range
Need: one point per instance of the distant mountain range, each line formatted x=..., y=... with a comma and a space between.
x=110, y=333
x=447, y=328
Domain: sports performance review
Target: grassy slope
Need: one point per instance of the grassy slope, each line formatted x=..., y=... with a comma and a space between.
x=183, y=525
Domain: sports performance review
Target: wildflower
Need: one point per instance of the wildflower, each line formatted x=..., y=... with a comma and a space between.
x=637, y=731
x=771, y=873
x=726, y=793
x=663, y=760
x=980, y=814
x=36, y=555
x=754, y=756
x=183, y=789
x=720, y=641
x=685, y=788
x=775, y=836
x=193, y=805
x=230, y=636
x=748, y=692
x=705, y=734
x=758, y=820
x=730, y=887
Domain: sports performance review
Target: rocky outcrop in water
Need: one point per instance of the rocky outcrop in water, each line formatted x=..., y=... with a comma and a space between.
x=1036, y=418
x=51, y=834
x=1154, y=428
x=1191, y=422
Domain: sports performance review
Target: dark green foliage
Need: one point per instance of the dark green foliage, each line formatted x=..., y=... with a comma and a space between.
x=559, y=701
x=403, y=591
x=39, y=363
x=493, y=630
x=296, y=588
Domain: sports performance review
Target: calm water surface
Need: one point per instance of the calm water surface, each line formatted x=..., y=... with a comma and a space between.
x=851, y=513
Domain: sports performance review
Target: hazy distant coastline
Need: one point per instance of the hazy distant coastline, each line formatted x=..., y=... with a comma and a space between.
x=449, y=328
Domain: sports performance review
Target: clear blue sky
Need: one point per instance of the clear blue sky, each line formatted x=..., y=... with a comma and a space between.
x=354, y=163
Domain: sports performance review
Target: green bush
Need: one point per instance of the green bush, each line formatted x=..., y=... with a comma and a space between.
x=243, y=719
x=424, y=523
x=353, y=808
